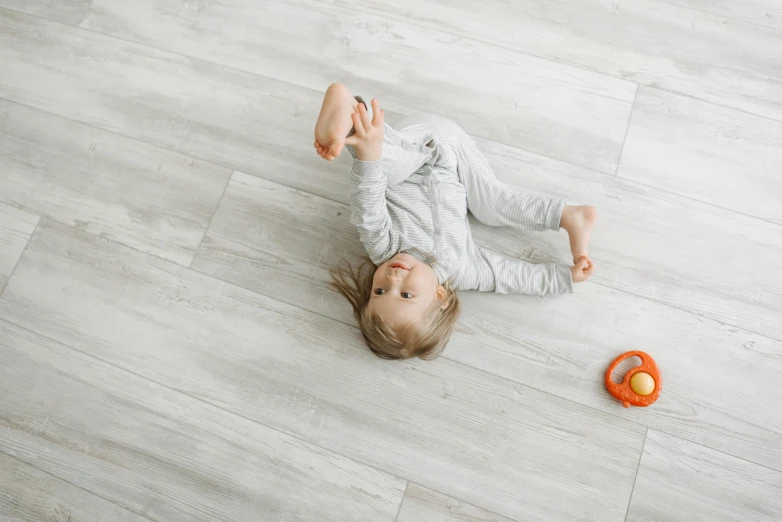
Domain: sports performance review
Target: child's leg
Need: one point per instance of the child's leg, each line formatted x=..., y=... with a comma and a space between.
x=335, y=125
x=334, y=121
x=495, y=204
x=492, y=202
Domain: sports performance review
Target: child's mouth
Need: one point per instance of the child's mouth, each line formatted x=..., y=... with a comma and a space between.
x=400, y=265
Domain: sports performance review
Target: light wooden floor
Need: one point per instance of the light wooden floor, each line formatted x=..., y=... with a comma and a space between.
x=169, y=350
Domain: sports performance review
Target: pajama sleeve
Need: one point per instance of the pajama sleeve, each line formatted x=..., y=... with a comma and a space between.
x=489, y=271
x=400, y=160
x=367, y=199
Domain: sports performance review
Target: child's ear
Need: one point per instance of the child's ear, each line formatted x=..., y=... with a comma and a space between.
x=442, y=296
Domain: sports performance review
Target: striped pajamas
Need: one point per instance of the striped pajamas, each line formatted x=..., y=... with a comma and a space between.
x=415, y=200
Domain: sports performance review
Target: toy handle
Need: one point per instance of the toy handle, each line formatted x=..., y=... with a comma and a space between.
x=645, y=361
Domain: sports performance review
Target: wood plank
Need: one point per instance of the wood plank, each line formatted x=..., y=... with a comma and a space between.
x=154, y=200
x=650, y=42
x=287, y=254
x=64, y=11
x=424, y=504
x=514, y=450
x=29, y=494
x=165, y=455
x=16, y=227
x=760, y=12
x=716, y=155
x=551, y=108
x=678, y=480
x=213, y=113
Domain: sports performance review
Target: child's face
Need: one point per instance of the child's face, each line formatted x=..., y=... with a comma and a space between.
x=403, y=290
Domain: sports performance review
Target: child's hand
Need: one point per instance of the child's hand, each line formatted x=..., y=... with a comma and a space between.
x=582, y=270
x=368, y=139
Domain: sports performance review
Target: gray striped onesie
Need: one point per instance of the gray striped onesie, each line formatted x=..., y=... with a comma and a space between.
x=415, y=200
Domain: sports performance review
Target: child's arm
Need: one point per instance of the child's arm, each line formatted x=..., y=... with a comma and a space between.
x=367, y=199
x=367, y=196
x=490, y=271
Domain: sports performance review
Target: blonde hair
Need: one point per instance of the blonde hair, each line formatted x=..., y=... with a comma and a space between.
x=426, y=340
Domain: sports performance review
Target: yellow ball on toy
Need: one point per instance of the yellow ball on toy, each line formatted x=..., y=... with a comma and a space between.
x=642, y=383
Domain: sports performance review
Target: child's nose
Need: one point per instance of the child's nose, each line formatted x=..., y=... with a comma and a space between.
x=394, y=275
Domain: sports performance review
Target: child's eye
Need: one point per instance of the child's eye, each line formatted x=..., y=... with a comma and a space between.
x=407, y=295
x=379, y=291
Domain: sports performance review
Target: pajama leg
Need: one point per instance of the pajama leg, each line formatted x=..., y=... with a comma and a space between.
x=492, y=202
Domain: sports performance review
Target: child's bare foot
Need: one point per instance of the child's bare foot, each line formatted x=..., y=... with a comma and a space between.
x=334, y=121
x=579, y=222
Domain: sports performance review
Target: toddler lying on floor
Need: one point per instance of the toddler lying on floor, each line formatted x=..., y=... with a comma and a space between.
x=410, y=192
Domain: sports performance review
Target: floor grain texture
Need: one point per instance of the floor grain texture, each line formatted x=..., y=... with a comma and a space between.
x=170, y=349
x=16, y=227
x=761, y=12
x=69, y=12
x=29, y=494
x=651, y=42
x=548, y=107
x=678, y=479
x=269, y=362
x=424, y=504
x=165, y=455
x=161, y=202
x=726, y=157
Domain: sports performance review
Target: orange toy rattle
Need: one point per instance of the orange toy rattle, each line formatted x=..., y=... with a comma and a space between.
x=641, y=385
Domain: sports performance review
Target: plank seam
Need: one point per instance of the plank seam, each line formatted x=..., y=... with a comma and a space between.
x=637, y=469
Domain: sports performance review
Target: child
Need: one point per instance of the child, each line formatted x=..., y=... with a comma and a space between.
x=410, y=193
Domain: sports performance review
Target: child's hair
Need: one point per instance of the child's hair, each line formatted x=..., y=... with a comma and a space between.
x=426, y=340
